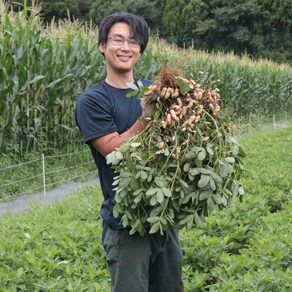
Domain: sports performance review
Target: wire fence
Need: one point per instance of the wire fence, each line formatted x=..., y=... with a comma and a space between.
x=258, y=121
x=44, y=173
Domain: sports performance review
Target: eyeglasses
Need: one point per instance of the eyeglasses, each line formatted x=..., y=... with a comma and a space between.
x=120, y=40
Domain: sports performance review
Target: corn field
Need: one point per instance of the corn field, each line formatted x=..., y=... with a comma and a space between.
x=45, y=67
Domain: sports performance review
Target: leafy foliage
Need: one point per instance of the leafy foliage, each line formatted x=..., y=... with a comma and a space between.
x=248, y=246
x=182, y=165
x=238, y=26
x=58, y=248
x=148, y=10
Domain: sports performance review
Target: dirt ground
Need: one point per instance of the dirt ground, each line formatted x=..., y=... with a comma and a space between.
x=23, y=203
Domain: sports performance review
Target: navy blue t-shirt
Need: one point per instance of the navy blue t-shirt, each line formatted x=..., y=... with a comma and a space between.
x=101, y=110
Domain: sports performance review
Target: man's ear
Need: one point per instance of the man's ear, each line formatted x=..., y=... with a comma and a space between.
x=101, y=48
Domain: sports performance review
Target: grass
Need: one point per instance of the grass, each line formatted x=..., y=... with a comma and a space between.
x=246, y=247
x=26, y=177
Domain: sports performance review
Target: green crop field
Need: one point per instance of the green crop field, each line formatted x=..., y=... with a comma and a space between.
x=245, y=247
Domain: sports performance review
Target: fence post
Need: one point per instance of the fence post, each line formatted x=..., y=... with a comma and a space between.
x=44, y=174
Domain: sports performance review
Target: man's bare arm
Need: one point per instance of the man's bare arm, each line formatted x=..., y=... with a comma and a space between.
x=108, y=143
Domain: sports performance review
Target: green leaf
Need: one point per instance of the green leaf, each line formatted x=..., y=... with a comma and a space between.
x=154, y=96
x=210, y=204
x=216, y=177
x=125, y=174
x=166, y=192
x=224, y=201
x=125, y=221
x=144, y=88
x=204, y=170
x=184, y=87
x=140, y=84
x=114, y=157
x=37, y=78
x=132, y=86
x=198, y=219
x=144, y=175
x=134, y=185
x=124, y=183
x=116, y=211
x=124, y=147
x=202, y=155
x=241, y=190
x=194, y=171
x=151, y=192
x=212, y=184
x=224, y=169
x=131, y=93
x=210, y=150
x=217, y=198
x=154, y=228
x=153, y=219
x=231, y=139
x=235, y=149
x=186, y=219
x=166, y=152
x=153, y=201
x=129, y=215
x=160, y=181
x=159, y=196
x=190, y=154
x=186, y=167
x=204, y=180
x=183, y=184
x=135, y=144
x=140, y=95
x=205, y=195
x=138, y=198
x=230, y=159
x=137, y=192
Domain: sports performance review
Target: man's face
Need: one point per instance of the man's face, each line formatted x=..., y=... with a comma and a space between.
x=121, y=51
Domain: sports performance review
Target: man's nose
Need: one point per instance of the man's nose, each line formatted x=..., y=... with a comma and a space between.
x=125, y=45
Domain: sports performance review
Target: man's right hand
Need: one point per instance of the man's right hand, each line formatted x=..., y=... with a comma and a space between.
x=147, y=106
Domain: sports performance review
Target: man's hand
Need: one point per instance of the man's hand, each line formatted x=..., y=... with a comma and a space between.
x=147, y=107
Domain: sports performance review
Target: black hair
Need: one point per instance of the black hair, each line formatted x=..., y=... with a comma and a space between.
x=138, y=26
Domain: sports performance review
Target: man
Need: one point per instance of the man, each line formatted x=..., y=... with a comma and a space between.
x=106, y=117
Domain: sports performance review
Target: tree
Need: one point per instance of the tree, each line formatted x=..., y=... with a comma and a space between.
x=148, y=10
x=196, y=11
x=84, y=8
x=173, y=22
x=52, y=8
x=259, y=28
x=60, y=9
x=273, y=31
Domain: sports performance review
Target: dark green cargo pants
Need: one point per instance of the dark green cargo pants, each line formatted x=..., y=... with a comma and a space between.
x=150, y=263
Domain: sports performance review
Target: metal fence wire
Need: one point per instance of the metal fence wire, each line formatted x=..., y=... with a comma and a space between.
x=45, y=172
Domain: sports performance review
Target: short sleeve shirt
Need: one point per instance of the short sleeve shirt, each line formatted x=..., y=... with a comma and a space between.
x=101, y=110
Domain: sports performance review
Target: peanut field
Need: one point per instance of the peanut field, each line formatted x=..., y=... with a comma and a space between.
x=245, y=247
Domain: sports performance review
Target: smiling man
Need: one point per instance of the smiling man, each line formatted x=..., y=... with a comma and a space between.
x=106, y=117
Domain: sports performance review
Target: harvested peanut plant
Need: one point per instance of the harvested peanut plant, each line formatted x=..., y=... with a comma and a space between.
x=185, y=163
